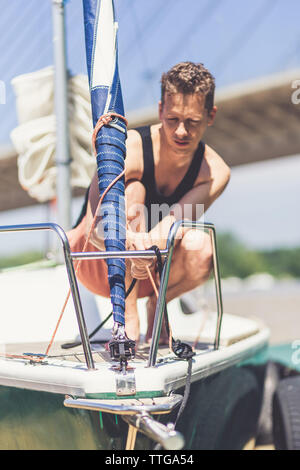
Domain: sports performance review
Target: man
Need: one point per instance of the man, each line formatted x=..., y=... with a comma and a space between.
x=166, y=163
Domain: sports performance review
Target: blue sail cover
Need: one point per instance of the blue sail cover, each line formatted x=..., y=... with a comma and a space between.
x=106, y=97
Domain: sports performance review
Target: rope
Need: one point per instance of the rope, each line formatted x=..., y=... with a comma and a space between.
x=103, y=120
x=78, y=263
x=169, y=332
x=30, y=356
x=181, y=350
x=78, y=343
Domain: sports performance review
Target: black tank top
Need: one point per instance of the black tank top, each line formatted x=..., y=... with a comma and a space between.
x=153, y=196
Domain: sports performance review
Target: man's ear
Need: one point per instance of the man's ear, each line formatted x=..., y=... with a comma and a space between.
x=212, y=115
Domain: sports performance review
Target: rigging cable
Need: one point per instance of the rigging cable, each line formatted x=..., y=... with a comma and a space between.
x=155, y=18
x=241, y=39
x=104, y=120
x=207, y=12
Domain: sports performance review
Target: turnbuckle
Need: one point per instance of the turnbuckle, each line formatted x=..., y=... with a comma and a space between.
x=121, y=347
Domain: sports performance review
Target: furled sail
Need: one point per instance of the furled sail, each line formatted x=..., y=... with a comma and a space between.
x=35, y=137
x=109, y=140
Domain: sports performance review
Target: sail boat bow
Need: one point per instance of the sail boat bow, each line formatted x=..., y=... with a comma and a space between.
x=228, y=365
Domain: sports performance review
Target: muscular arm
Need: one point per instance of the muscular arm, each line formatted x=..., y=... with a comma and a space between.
x=211, y=182
x=134, y=165
x=134, y=171
x=213, y=179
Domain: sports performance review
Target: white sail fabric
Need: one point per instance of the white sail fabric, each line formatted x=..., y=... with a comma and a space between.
x=35, y=137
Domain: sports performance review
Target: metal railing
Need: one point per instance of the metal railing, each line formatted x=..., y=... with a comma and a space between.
x=168, y=253
x=72, y=280
x=159, y=312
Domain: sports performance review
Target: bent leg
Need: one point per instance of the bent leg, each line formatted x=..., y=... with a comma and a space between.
x=190, y=267
x=93, y=274
x=135, y=197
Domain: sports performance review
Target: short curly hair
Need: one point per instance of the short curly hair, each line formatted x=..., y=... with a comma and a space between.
x=188, y=78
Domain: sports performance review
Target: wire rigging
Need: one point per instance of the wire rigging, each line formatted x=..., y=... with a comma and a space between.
x=156, y=18
x=243, y=37
x=142, y=49
x=200, y=17
x=205, y=13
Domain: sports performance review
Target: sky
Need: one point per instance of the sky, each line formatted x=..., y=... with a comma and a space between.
x=261, y=204
x=237, y=41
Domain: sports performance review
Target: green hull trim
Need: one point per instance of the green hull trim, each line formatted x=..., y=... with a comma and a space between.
x=286, y=354
x=261, y=358
x=113, y=396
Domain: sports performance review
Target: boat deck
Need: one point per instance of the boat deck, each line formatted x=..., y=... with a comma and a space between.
x=64, y=371
x=76, y=354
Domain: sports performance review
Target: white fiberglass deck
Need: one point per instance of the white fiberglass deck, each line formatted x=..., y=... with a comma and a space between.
x=29, y=318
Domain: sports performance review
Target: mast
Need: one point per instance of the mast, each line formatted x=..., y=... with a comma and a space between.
x=63, y=191
x=109, y=142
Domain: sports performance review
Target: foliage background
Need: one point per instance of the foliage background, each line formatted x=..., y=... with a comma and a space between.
x=235, y=259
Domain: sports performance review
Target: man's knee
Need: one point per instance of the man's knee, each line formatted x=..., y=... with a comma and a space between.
x=197, y=255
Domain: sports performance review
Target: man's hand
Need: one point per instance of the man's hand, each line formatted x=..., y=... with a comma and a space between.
x=139, y=241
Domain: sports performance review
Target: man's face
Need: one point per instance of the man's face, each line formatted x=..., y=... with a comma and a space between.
x=184, y=120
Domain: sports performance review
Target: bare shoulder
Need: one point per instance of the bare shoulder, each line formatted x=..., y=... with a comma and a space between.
x=134, y=155
x=212, y=167
x=134, y=141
